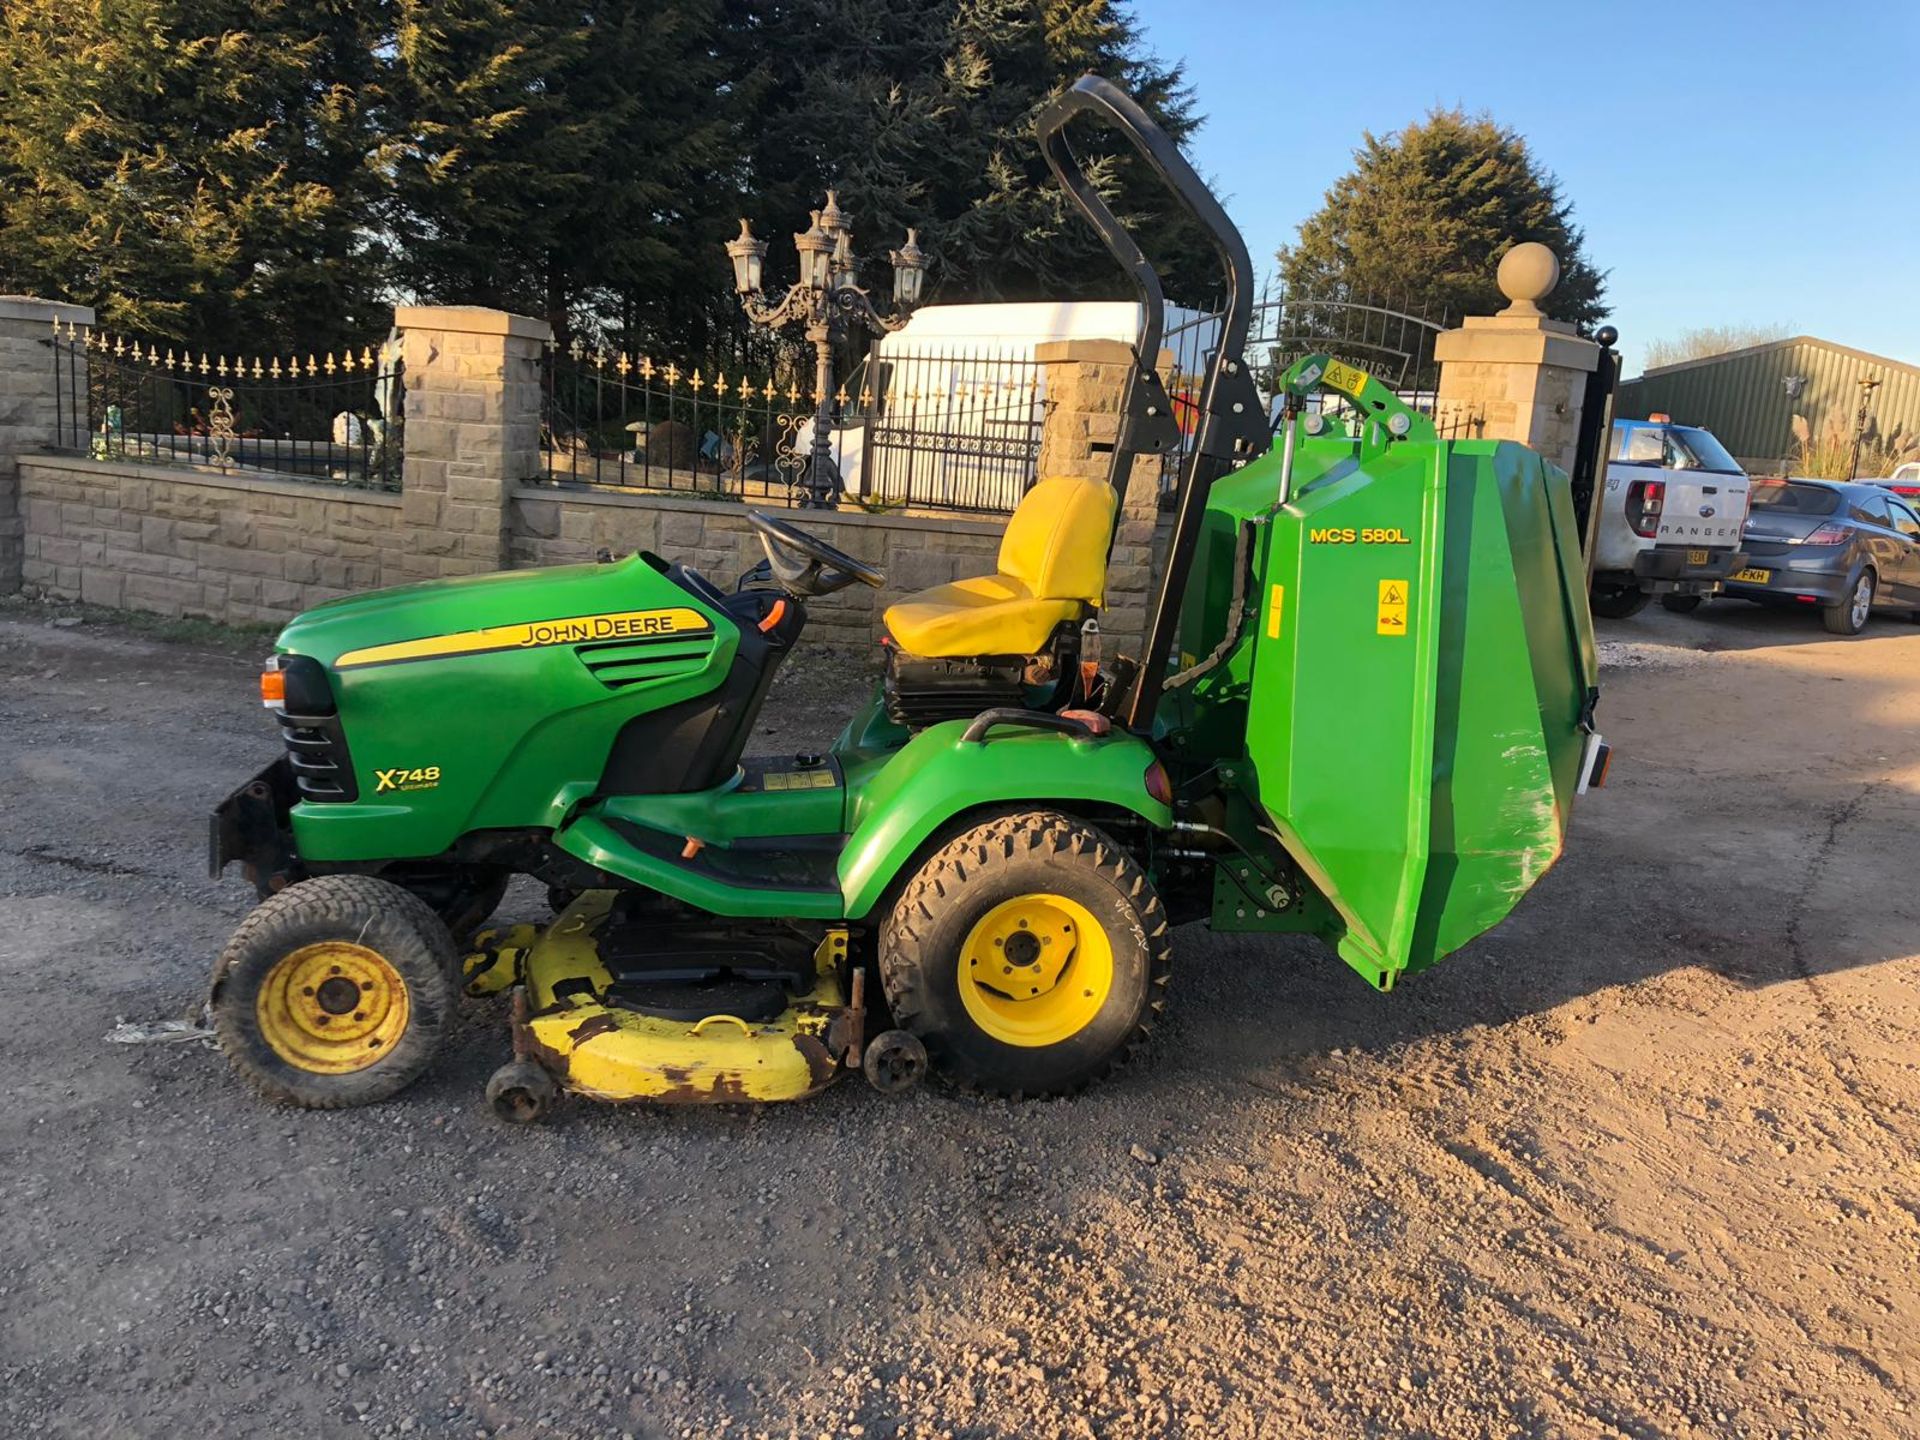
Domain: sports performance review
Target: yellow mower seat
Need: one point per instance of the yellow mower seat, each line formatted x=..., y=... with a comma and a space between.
x=1052, y=567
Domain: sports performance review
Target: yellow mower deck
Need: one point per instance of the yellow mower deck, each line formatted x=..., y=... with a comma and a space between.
x=608, y=1052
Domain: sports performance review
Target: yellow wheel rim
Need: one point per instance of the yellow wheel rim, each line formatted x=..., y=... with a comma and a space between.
x=1035, y=970
x=333, y=1008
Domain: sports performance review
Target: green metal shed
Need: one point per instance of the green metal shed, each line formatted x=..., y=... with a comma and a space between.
x=1743, y=396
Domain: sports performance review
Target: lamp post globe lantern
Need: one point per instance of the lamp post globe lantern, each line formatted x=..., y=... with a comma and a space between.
x=749, y=257
x=827, y=303
x=815, y=248
x=909, y=271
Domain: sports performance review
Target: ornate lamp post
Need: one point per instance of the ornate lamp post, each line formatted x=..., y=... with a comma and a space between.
x=1793, y=385
x=1868, y=384
x=827, y=301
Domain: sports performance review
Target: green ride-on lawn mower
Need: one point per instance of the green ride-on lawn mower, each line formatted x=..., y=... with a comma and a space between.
x=1362, y=710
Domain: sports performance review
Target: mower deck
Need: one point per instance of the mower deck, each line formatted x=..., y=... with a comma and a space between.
x=596, y=1035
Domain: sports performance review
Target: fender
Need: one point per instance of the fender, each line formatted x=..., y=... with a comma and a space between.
x=938, y=775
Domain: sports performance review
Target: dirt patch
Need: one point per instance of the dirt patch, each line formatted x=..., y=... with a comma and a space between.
x=1643, y=1161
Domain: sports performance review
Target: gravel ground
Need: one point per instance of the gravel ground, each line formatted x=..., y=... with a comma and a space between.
x=1641, y=1162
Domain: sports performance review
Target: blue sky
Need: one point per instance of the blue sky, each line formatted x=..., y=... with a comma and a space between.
x=1731, y=163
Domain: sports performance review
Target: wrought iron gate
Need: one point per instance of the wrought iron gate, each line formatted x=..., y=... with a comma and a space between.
x=950, y=430
x=1392, y=343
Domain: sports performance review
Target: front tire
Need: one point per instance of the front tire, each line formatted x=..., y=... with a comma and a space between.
x=1030, y=955
x=335, y=992
x=1617, y=602
x=1850, y=616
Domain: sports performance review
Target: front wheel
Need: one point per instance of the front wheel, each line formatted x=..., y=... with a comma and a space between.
x=335, y=992
x=1849, y=617
x=1030, y=955
x=1617, y=602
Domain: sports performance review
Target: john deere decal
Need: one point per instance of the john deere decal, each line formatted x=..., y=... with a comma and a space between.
x=570, y=630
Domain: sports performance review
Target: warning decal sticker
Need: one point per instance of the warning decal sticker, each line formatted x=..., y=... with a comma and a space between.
x=1393, y=608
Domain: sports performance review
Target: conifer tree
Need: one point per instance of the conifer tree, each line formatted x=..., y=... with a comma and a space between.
x=1425, y=215
x=259, y=173
x=550, y=154
x=194, y=170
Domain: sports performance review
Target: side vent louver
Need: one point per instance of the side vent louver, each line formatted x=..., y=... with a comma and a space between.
x=317, y=749
x=620, y=664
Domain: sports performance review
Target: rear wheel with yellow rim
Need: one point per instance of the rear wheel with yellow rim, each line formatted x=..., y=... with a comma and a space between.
x=1030, y=954
x=335, y=992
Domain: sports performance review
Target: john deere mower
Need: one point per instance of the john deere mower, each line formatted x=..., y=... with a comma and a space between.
x=1361, y=710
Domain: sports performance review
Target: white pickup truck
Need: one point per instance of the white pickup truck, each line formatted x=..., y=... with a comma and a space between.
x=1669, y=520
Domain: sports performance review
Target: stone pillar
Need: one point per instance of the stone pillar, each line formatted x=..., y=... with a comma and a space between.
x=1517, y=375
x=472, y=433
x=28, y=408
x=1085, y=383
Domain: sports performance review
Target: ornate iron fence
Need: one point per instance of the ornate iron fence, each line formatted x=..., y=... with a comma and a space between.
x=943, y=430
x=334, y=419
x=616, y=422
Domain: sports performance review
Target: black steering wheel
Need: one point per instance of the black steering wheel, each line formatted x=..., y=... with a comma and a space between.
x=804, y=564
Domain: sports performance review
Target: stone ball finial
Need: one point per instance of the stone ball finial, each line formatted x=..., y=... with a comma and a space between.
x=1528, y=272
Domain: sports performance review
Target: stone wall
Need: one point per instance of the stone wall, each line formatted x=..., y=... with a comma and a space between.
x=242, y=549
x=28, y=409
x=183, y=542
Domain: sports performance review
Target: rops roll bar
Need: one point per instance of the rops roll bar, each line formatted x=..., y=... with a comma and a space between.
x=1230, y=411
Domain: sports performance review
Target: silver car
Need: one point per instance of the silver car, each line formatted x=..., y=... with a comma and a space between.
x=1839, y=547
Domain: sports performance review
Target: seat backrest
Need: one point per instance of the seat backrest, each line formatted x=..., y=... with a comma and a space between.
x=1056, y=541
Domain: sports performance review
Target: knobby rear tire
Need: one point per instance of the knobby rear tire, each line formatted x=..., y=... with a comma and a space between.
x=1026, y=853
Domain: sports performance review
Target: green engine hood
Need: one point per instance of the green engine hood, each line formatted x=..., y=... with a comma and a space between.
x=471, y=602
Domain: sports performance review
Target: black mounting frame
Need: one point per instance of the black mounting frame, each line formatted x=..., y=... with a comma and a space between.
x=1230, y=412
